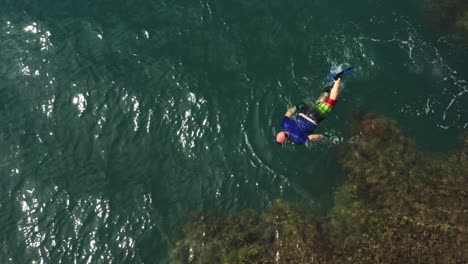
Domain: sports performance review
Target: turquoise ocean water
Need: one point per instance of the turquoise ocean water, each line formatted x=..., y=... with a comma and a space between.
x=120, y=118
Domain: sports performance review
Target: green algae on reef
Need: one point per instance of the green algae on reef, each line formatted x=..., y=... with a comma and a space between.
x=397, y=205
x=450, y=16
x=284, y=232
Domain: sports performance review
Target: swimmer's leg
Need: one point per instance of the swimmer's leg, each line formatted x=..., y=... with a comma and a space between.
x=324, y=108
x=324, y=95
x=335, y=90
x=324, y=103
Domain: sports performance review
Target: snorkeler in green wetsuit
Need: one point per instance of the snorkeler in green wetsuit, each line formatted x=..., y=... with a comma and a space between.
x=300, y=129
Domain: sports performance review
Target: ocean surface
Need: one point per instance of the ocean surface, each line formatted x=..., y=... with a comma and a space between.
x=118, y=119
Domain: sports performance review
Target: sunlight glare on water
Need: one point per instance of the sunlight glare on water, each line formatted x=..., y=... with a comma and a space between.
x=120, y=120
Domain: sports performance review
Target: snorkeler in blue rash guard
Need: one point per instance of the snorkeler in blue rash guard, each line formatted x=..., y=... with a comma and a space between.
x=300, y=129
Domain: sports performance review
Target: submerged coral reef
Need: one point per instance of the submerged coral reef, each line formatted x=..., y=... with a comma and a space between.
x=397, y=205
x=450, y=16
x=283, y=232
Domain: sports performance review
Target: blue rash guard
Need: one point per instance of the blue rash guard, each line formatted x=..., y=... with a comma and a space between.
x=298, y=128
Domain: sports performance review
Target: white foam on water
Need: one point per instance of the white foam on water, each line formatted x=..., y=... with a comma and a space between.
x=80, y=101
x=194, y=124
x=420, y=54
x=136, y=109
x=48, y=107
x=148, y=123
x=31, y=28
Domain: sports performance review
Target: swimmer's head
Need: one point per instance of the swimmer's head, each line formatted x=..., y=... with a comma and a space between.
x=282, y=137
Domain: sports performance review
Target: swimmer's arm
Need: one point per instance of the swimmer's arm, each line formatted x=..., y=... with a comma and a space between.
x=315, y=137
x=290, y=112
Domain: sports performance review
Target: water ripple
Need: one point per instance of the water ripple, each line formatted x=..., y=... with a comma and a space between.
x=118, y=121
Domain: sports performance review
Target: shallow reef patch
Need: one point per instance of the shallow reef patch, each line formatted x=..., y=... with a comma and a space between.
x=450, y=16
x=396, y=205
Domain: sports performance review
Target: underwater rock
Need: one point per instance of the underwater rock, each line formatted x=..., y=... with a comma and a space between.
x=398, y=204
x=283, y=233
x=450, y=16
